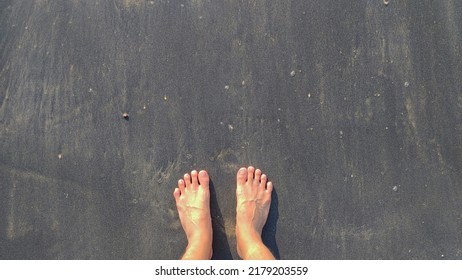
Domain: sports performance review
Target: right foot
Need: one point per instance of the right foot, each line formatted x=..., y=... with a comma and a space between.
x=253, y=194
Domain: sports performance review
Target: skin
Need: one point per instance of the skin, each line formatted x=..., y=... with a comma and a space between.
x=253, y=193
x=192, y=198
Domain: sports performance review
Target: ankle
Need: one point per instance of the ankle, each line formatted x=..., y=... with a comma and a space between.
x=248, y=232
x=250, y=248
x=203, y=239
x=198, y=250
x=248, y=241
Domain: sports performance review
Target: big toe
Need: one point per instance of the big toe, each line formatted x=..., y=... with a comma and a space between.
x=204, y=179
x=242, y=176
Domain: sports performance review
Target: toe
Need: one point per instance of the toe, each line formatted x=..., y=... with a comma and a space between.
x=250, y=172
x=181, y=185
x=242, y=176
x=194, y=180
x=204, y=179
x=257, y=175
x=269, y=187
x=263, y=181
x=187, y=180
x=177, y=193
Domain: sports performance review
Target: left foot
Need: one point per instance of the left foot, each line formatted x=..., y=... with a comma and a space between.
x=192, y=198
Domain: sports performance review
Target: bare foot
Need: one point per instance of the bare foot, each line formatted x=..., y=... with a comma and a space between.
x=253, y=203
x=193, y=203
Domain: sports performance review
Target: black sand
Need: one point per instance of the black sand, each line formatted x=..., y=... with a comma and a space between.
x=352, y=108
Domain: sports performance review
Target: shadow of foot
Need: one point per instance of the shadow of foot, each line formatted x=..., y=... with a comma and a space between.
x=221, y=250
x=269, y=230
